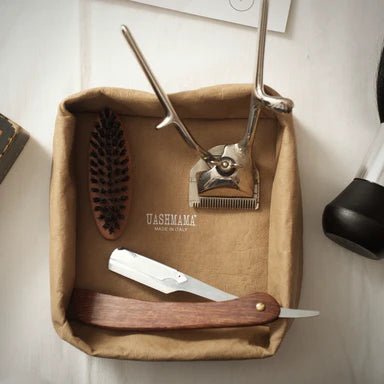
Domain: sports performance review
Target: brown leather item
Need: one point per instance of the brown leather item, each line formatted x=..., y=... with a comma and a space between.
x=240, y=252
x=120, y=313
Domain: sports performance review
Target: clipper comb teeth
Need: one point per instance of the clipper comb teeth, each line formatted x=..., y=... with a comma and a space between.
x=109, y=175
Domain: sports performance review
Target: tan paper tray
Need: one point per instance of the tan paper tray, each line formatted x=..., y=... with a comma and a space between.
x=240, y=252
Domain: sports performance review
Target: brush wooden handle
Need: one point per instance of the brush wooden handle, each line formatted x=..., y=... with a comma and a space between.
x=135, y=315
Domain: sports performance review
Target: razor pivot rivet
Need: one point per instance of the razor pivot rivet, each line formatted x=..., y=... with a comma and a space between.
x=225, y=164
x=260, y=307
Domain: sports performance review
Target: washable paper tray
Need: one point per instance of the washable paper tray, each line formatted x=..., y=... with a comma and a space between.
x=241, y=252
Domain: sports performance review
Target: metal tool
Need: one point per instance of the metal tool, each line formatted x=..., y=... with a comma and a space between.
x=172, y=117
x=166, y=279
x=225, y=177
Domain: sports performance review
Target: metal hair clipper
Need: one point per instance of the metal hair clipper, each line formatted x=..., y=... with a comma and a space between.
x=225, y=176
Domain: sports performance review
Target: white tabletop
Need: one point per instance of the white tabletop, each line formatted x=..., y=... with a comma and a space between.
x=325, y=62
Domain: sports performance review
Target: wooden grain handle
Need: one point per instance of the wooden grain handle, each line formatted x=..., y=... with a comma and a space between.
x=135, y=315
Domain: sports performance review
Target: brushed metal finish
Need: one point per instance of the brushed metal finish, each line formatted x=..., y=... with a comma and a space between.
x=239, y=178
x=166, y=279
x=230, y=173
x=160, y=276
x=226, y=200
x=288, y=313
x=259, y=97
x=172, y=117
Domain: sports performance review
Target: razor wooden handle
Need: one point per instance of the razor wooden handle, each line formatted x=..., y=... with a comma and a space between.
x=120, y=313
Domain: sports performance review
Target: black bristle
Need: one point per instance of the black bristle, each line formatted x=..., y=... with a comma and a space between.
x=100, y=152
x=95, y=144
x=96, y=136
x=109, y=164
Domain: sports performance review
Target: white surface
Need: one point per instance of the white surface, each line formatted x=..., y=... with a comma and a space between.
x=245, y=12
x=325, y=62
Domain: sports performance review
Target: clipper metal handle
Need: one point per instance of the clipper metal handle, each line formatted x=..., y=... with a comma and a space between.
x=236, y=172
x=172, y=117
x=226, y=173
x=259, y=98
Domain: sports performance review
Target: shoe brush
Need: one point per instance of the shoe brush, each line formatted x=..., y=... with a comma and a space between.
x=109, y=178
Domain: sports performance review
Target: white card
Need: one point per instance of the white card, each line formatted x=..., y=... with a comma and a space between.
x=245, y=12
